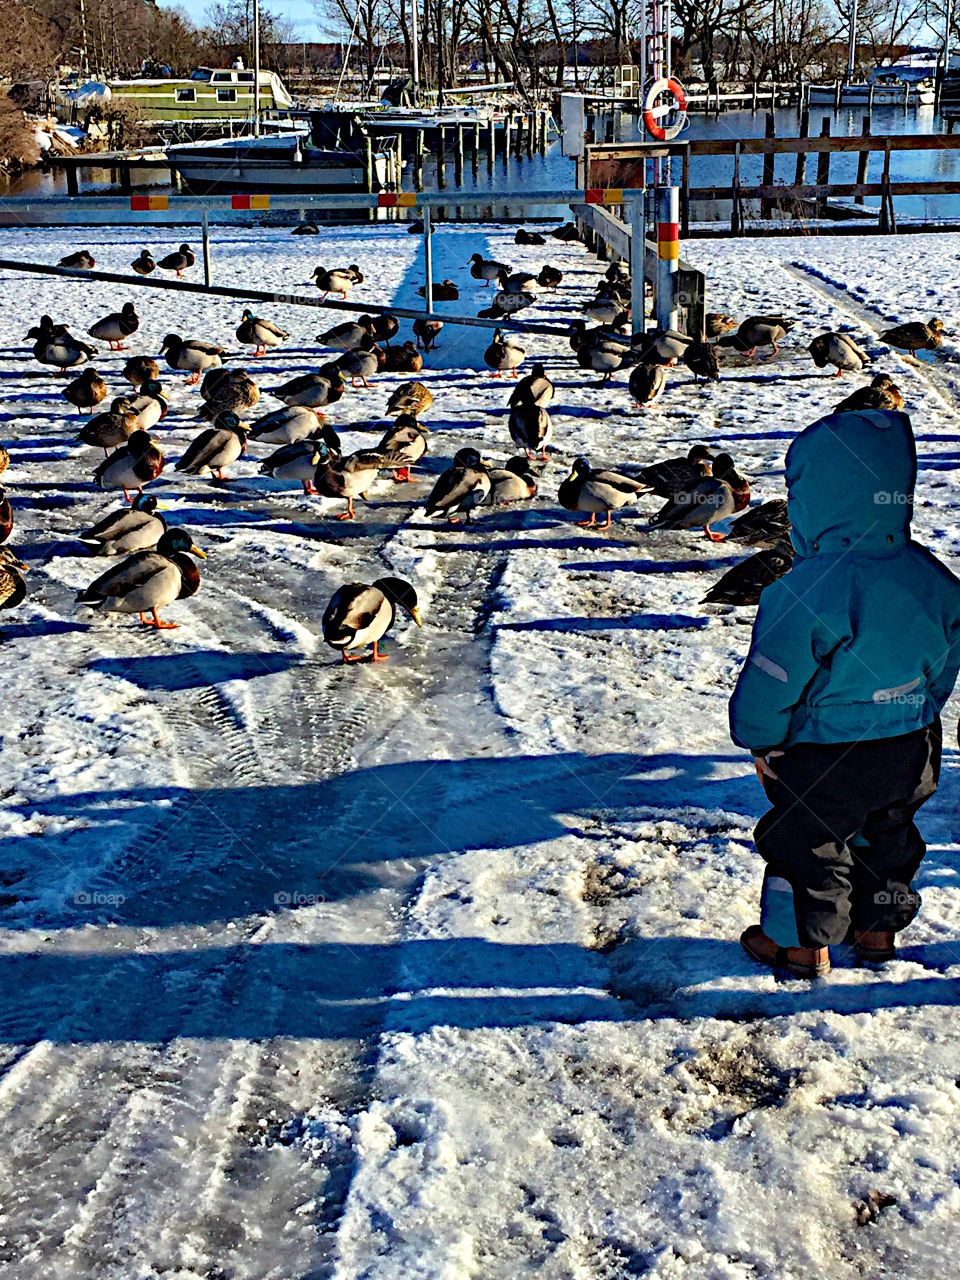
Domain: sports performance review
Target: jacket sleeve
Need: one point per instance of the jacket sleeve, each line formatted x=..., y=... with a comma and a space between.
x=941, y=682
x=783, y=659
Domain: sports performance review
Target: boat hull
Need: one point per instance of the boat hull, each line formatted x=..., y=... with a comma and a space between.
x=214, y=170
x=854, y=95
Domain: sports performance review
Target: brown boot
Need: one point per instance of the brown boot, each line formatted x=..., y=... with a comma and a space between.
x=875, y=945
x=802, y=962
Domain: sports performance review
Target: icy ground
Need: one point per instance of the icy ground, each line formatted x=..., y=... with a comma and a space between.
x=430, y=969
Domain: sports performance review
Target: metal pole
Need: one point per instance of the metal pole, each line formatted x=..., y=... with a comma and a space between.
x=852, y=50
x=638, y=238
x=668, y=255
x=206, y=249
x=947, y=20
x=256, y=68
x=428, y=256
x=415, y=46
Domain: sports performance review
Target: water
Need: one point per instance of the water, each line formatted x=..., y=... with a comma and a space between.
x=552, y=171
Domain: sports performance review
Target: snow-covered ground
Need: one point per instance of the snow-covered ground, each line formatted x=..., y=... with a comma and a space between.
x=430, y=969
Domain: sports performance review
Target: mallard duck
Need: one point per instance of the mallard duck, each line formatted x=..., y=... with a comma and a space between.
x=716, y=323
x=882, y=393
x=443, y=291
x=148, y=581
x=82, y=259
x=384, y=327
x=461, y=488
x=427, y=332
x=191, y=355
x=216, y=447
x=307, y=228
x=144, y=264
x=605, y=356
x=647, y=384
x=595, y=491
x=179, y=262
x=347, y=336
x=486, y=269
x=504, y=355
x=535, y=388
x=607, y=311
x=151, y=405
x=6, y=515
x=915, y=336
x=298, y=461
x=358, y=615
x=519, y=282
x=840, y=350
x=402, y=446
x=340, y=280
x=289, y=425
x=528, y=237
x=660, y=346
x=513, y=482
x=748, y=579
x=676, y=474
x=549, y=278
x=506, y=304
x=701, y=359
x=362, y=362
x=410, y=397
x=227, y=391
x=138, y=527
x=86, y=391
x=116, y=326
x=415, y=227
x=758, y=331
x=762, y=526
x=531, y=428
x=112, y=429
x=403, y=359
x=313, y=390
x=254, y=331
x=131, y=466
x=141, y=369
x=568, y=232
x=347, y=478
x=13, y=588
x=712, y=499
x=4, y=459
x=56, y=346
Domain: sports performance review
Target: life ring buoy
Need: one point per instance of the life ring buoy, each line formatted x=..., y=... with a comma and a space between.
x=665, y=133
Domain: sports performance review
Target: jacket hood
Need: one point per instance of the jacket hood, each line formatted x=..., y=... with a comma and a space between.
x=850, y=482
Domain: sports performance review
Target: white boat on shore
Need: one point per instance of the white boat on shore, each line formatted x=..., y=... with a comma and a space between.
x=881, y=93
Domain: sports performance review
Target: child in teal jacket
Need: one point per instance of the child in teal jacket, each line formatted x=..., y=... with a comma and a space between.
x=854, y=653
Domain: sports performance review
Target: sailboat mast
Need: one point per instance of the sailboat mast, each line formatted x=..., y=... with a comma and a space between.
x=256, y=68
x=852, y=50
x=415, y=46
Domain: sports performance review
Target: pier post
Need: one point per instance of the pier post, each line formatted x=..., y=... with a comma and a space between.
x=823, y=166
x=418, y=160
x=531, y=133
x=491, y=146
x=458, y=160
x=837, y=94
x=475, y=153
x=368, y=165
x=769, y=160
x=126, y=179
x=638, y=256
x=863, y=159
x=441, y=156
x=205, y=231
x=685, y=192
x=800, y=176
x=753, y=98
x=73, y=180
x=668, y=256
x=428, y=256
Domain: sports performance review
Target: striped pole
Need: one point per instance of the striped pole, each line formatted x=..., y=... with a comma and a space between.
x=668, y=255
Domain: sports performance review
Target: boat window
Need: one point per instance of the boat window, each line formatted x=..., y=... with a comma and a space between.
x=223, y=77
x=226, y=95
x=186, y=95
x=245, y=77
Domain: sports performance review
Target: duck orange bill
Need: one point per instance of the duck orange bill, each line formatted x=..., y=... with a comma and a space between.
x=415, y=615
x=195, y=551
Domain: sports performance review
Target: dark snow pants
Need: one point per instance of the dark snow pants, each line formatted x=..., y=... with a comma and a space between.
x=841, y=831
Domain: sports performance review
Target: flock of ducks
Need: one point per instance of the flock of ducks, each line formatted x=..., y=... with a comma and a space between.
x=696, y=491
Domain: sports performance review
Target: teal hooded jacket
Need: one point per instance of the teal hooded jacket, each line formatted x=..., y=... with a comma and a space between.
x=861, y=639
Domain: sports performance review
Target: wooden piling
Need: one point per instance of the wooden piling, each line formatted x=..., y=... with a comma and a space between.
x=800, y=176
x=863, y=157
x=458, y=157
x=823, y=166
x=475, y=153
x=441, y=157
x=837, y=94
x=770, y=131
x=685, y=194
x=753, y=98
x=418, y=149
x=491, y=146
x=73, y=179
